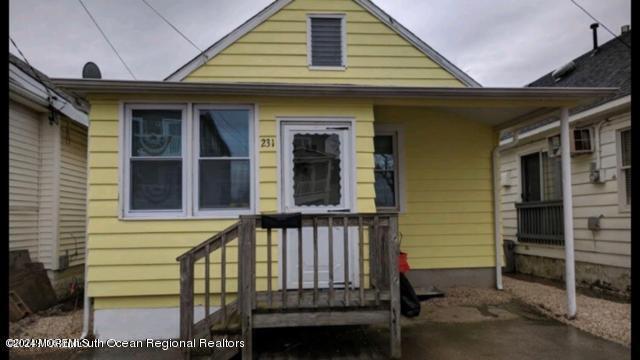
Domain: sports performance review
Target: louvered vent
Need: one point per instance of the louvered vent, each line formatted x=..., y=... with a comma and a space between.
x=326, y=41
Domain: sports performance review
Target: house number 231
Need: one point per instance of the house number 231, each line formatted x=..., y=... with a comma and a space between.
x=268, y=143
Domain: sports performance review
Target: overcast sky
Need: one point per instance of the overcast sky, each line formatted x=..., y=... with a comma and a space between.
x=497, y=42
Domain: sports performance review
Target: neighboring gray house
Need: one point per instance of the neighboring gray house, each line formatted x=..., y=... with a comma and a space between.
x=47, y=174
x=601, y=173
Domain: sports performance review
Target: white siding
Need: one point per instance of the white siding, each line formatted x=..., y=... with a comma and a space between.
x=48, y=188
x=73, y=191
x=609, y=246
x=24, y=163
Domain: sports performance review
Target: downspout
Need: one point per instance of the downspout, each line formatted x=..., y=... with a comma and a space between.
x=497, y=228
x=567, y=205
x=86, y=308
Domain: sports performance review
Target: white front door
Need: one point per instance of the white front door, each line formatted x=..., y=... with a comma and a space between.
x=316, y=177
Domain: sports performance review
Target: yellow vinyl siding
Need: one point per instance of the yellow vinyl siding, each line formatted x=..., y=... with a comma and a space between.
x=448, y=219
x=276, y=51
x=132, y=260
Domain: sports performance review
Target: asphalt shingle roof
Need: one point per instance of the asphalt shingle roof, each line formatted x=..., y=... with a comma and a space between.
x=609, y=66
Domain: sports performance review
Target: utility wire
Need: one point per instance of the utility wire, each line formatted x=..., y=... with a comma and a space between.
x=33, y=70
x=172, y=26
x=599, y=22
x=107, y=39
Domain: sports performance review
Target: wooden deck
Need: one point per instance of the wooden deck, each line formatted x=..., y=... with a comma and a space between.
x=378, y=302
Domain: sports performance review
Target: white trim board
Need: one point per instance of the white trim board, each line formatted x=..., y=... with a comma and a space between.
x=26, y=86
x=278, y=5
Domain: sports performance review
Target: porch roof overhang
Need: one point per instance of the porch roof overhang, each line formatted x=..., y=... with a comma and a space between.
x=503, y=108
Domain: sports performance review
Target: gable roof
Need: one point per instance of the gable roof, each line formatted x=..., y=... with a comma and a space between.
x=609, y=66
x=277, y=5
x=28, y=82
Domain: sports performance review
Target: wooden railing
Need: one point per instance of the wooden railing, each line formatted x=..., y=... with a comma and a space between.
x=380, y=292
x=541, y=222
x=188, y=328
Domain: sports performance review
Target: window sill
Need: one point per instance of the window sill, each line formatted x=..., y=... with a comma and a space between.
x=327, y=68
x=201, y=216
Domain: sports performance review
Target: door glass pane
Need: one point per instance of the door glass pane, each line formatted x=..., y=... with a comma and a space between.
x=156, y=185
x=385, y=189
x=224, y=133
x=531, y=177
x=156, y=132
x=383, y=150
x=316, y=170
x=224, y=184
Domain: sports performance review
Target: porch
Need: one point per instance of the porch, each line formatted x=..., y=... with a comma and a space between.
x=253, y=299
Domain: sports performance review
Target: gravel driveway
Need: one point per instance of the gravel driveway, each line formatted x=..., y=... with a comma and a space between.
x=603, y=318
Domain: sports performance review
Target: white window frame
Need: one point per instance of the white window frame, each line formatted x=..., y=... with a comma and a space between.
x=396, y=136
x=622, y=181
x=190, y=156
x=127, y=137
x=343, y=40
x=231, y=212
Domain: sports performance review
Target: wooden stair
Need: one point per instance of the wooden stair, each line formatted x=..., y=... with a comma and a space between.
x=219, y=326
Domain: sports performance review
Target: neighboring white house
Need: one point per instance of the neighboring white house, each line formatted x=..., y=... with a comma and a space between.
x=601, y=173
x=47, y=174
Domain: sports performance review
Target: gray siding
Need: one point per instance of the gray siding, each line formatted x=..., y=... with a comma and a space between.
x=609, y=246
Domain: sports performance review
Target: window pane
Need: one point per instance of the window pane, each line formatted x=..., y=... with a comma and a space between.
x=156, y=133
x=385, y=189
x=326, y=42
x=552, y=181
x=316, y=169
x=156, y=185
x=625, y=137
x=383, y=149
x=531, y=177
x=225, y=184
x=224, y=133
x=627, y=180
x=582, y=139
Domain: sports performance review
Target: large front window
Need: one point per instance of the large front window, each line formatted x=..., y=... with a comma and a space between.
x=163, y=160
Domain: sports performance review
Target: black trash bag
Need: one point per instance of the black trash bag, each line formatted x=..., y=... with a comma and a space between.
x=409, y=302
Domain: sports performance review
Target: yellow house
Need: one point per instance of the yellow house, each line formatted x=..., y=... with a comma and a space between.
x=328, y=108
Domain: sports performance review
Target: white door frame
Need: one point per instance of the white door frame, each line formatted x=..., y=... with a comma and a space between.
x=350, y=172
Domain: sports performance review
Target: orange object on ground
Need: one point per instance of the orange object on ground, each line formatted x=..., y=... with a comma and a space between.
x=403, y=264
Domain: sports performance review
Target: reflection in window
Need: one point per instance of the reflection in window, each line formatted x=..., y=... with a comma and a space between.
x=316, y=170
x=156, y=160
x=224, y=163
x=385, y=171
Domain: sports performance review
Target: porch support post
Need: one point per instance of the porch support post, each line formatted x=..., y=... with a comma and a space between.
x=393, y=251
x=567, y=204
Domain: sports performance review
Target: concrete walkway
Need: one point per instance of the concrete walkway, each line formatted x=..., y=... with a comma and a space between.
x=507, y=331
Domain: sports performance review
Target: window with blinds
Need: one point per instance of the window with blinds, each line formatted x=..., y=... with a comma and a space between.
x=326, y=48
x=625, y=165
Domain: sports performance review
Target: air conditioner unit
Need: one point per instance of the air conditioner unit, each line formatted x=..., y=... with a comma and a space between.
x=582, y=141
x=553, y=143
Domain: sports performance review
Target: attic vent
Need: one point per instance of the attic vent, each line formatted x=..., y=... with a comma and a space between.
x=326, y=37
x=563, y=71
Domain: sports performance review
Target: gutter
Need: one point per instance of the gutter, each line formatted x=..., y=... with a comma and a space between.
x=93, y=86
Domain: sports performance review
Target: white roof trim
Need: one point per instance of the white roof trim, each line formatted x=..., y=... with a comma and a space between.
x=276, y=6
x=589, y=114
x=418, y=43
x=26, y=87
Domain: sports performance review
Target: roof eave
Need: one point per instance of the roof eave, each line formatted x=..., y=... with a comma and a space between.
x=91, y=86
